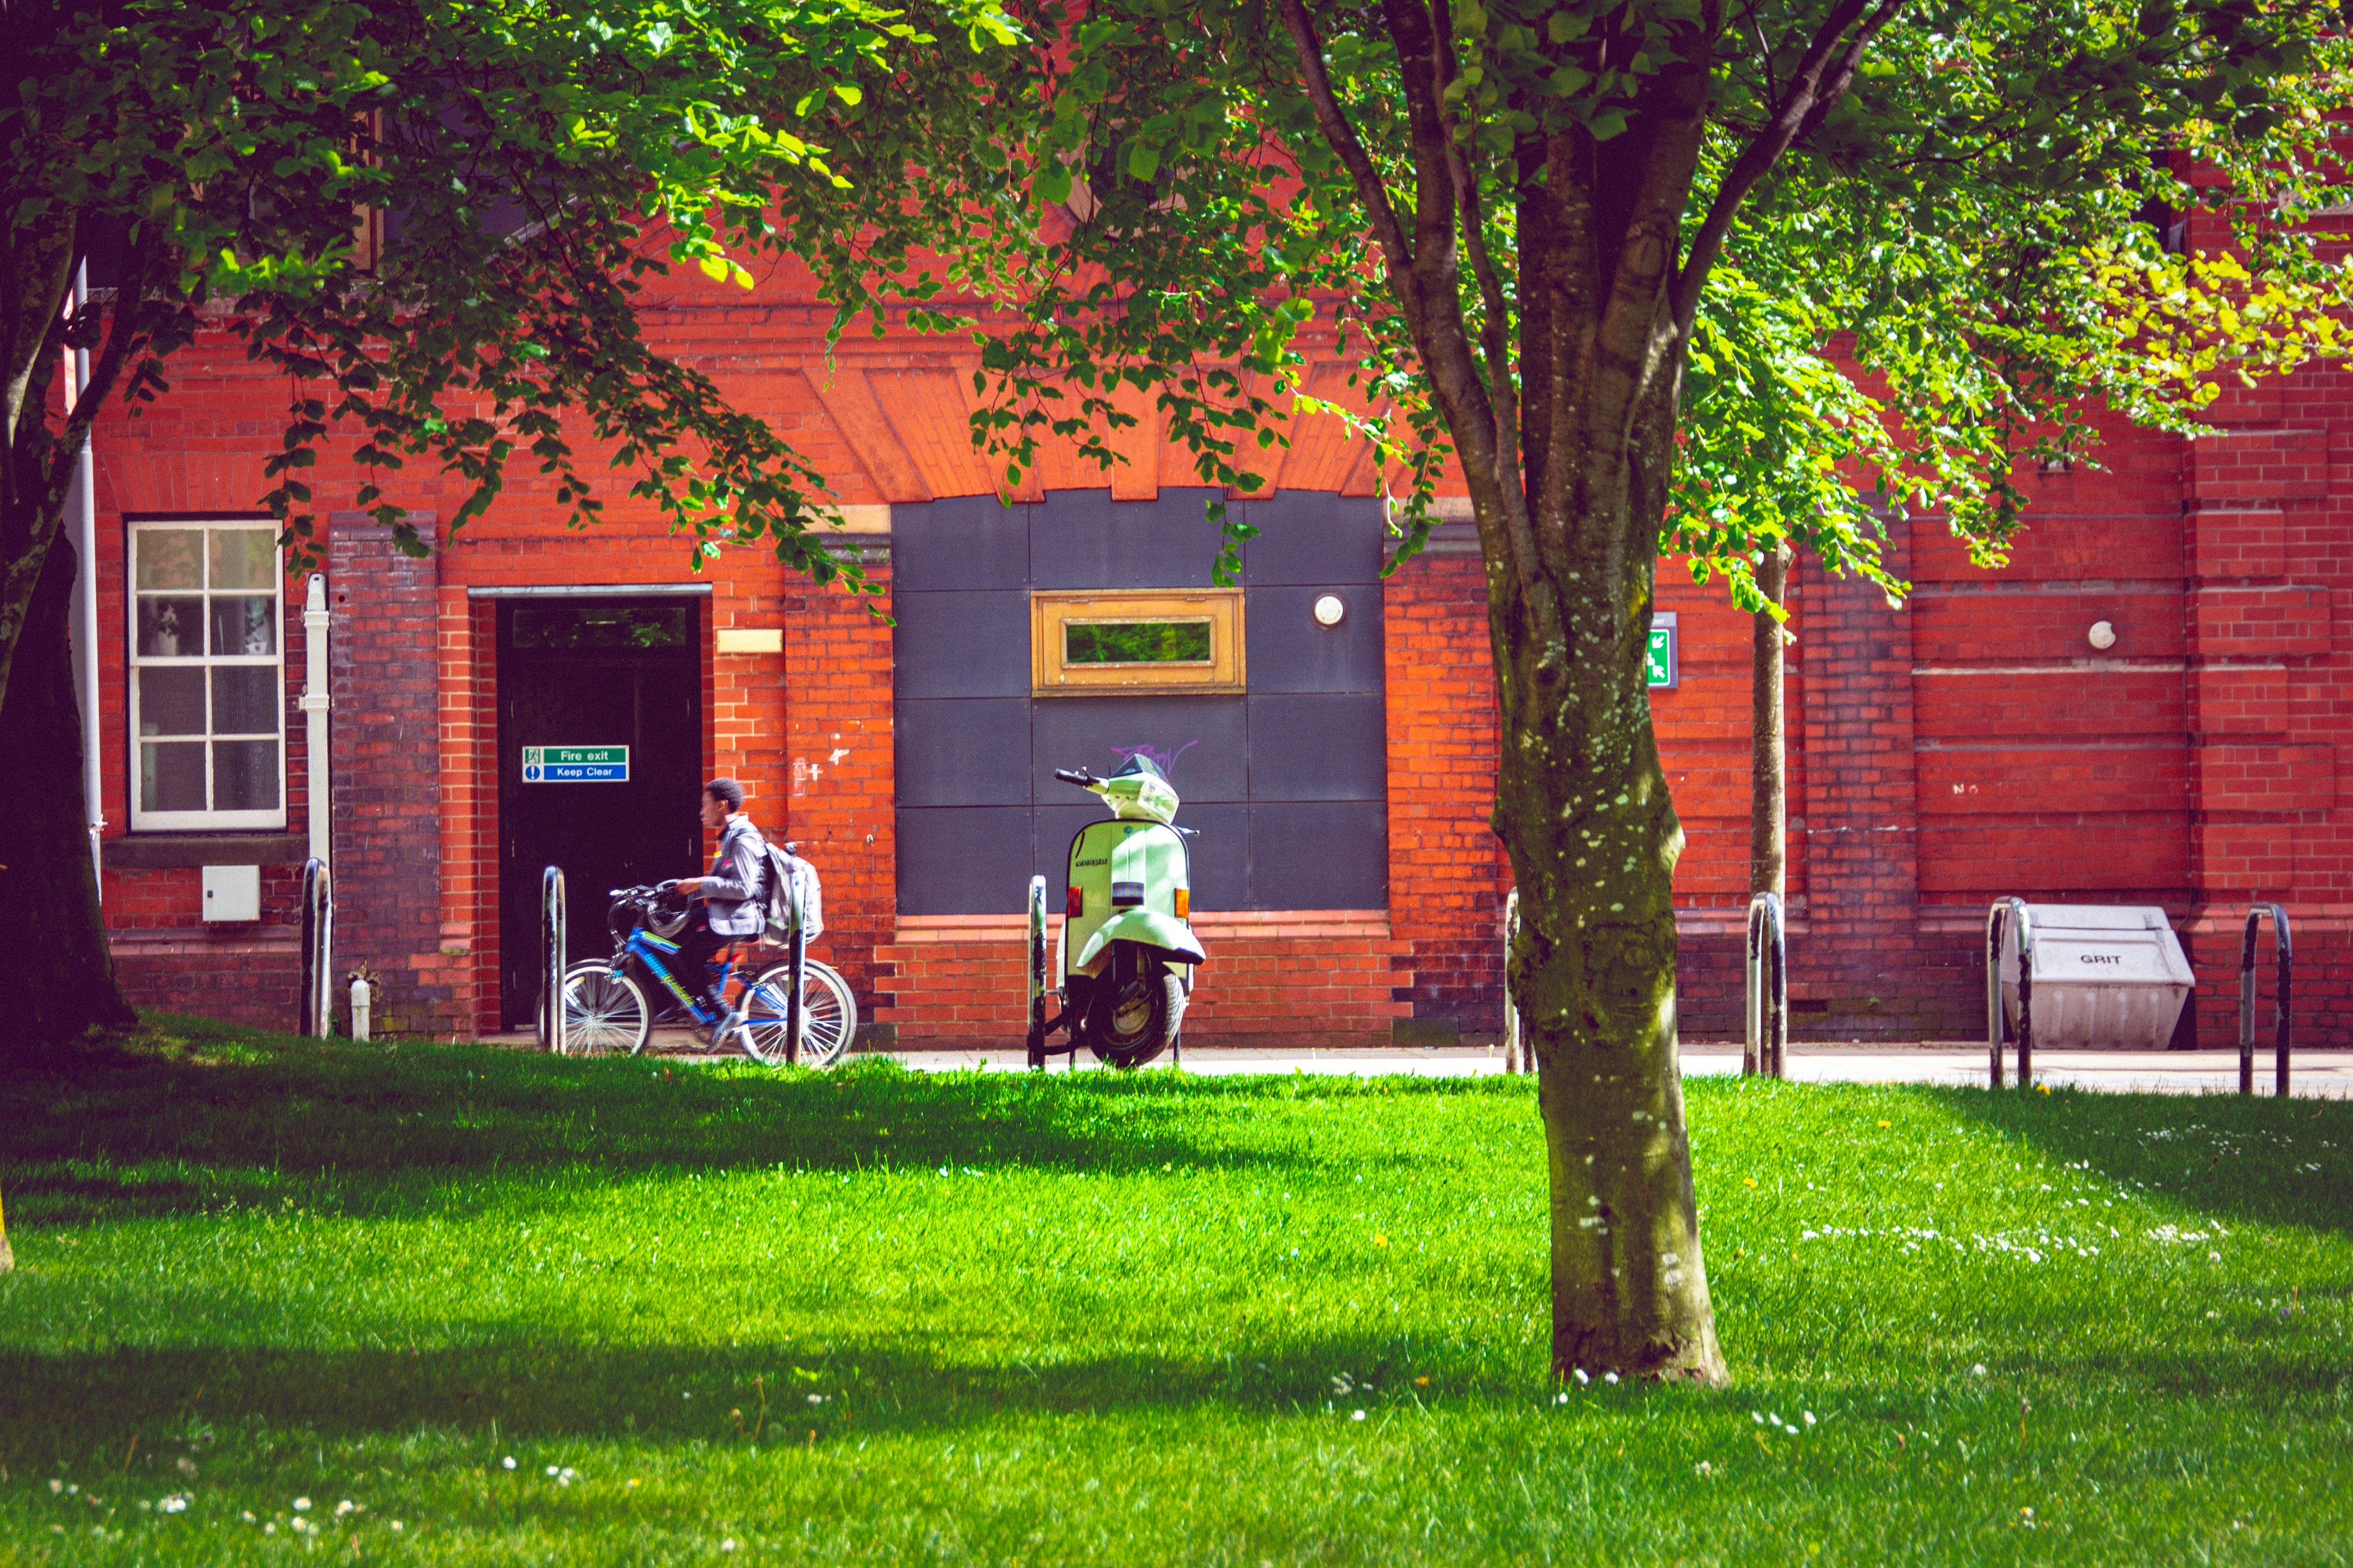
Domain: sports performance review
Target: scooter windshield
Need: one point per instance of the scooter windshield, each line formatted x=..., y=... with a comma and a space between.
x=1139, y=792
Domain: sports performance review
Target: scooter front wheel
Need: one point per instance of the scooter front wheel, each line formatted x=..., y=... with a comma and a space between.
x=1131, y=1022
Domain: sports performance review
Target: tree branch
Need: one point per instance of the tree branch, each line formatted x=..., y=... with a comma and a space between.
x=1810, y=96
x=1494, y=333
x=1371, y=189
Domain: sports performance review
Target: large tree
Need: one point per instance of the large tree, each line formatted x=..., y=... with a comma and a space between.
x=432, y=216
x=1701, y=276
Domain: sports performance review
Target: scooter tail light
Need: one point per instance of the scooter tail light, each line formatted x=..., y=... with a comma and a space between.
x=1184, y=903
x=1075, y=905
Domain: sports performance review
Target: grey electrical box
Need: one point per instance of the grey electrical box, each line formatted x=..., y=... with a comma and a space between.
x=232, y=892
x=2111, y=975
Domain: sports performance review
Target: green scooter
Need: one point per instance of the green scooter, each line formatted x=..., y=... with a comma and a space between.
x=1122, y=971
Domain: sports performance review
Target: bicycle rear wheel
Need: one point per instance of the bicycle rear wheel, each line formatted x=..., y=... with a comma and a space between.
x=604, y=1011
x=828, y=1015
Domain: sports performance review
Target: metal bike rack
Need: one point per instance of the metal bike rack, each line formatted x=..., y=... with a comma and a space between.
x=1766, y=984
x=2002, y=911
x=1515, y=1055
x=1033, y=960
x=550, y=960
x=796, y=965
x=2283, y=985
x=315, y=1007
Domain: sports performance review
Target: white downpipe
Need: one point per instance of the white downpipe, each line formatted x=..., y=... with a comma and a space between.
x=82, y=501
x=314, y=712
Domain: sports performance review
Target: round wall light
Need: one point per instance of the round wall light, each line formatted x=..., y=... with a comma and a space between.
x=1330, y=610
x=2102, y=636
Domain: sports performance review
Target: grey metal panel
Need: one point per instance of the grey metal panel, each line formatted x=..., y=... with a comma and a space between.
x=1057, y=825
x=954, y=644
x=1208, y=737
x=1318, y=746
x=966, y=541
x=1319, y=856
x=1084, y=539
x=1221, y=852
x=971, y=860
x=1289, y=652
x=963, y=750
x=1308, y=537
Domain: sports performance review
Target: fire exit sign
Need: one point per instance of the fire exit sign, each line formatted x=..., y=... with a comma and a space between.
x=575, y=764
x=1661, y=655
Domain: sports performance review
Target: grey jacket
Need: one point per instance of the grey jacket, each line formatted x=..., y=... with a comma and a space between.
x=733, y=886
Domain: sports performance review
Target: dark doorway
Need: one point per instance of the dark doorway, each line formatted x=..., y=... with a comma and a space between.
x=593, y=673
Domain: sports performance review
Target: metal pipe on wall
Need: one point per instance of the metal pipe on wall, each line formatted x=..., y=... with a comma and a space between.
x=81, y=502
x=316, y=703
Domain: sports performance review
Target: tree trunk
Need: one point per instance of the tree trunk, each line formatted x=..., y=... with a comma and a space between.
x=57, y=981
x=1769, y=795
x=1583, y=808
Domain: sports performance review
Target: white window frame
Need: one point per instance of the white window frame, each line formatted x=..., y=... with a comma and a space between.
x=142, y=819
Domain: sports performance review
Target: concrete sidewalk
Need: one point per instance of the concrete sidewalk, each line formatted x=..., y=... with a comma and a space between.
x=2313, y=1074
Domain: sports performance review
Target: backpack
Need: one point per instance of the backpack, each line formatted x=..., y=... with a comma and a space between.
x=790, y=877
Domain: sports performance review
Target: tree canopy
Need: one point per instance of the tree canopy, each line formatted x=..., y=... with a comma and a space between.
x=433, y=217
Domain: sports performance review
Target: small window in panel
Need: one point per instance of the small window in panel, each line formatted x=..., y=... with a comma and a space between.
x=1101, y=643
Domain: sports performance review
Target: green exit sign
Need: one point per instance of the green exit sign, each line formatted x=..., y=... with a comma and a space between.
x=575, y=764
x=1662, y=660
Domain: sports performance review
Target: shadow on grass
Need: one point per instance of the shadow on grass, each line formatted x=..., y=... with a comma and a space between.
x=192, y=1113
x=2241, y=1159
x=67, y=1404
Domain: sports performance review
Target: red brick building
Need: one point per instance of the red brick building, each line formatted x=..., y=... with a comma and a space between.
x=1975, y=741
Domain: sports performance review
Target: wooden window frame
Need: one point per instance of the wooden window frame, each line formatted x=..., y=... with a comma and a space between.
x=142, y=820
x=1222, y=673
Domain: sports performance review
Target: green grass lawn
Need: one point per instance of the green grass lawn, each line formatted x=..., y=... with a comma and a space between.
x=278, y=1300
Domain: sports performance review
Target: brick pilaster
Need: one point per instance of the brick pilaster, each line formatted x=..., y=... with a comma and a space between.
x=385, y=736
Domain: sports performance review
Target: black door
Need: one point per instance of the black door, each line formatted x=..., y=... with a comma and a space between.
x=593, y=673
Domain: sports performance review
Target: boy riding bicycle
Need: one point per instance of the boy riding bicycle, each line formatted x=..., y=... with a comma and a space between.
x=727, y=901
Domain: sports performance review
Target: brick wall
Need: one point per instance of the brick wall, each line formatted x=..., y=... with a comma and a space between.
x=825, y=728
x=1282, y=977
x=384, y=734
x=1447, y=874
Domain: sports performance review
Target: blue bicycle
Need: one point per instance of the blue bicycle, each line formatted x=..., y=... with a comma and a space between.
x=607, y=1006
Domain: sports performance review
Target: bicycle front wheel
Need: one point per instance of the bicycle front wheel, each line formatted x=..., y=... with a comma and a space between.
x=604, y=1011
x=828, y=1015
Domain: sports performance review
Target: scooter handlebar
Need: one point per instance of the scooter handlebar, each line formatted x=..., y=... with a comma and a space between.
x=1079, y=776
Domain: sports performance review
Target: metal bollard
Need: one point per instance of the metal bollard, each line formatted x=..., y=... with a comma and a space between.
x=552, y=948
x=1765, y=987
x=2010, y=909
x=359, y=1008
x=2282, y=982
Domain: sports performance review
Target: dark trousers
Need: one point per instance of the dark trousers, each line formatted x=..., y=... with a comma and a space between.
x=697, y=946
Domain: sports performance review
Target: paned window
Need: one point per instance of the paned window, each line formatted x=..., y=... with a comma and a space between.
x=1112, y=643
x=207, y=676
